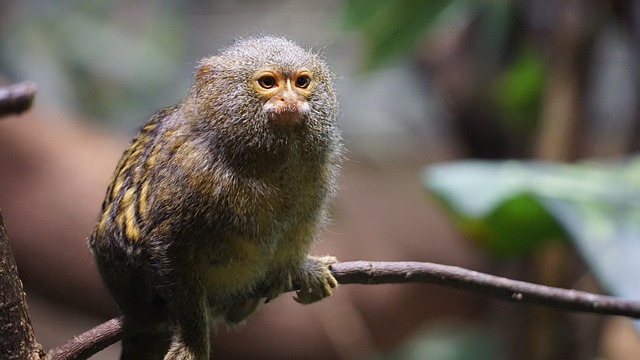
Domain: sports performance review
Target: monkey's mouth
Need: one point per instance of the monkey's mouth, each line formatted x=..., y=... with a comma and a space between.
x=286, y=112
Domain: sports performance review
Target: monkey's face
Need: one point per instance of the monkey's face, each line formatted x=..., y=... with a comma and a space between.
x=285, y=96
x=263, y=93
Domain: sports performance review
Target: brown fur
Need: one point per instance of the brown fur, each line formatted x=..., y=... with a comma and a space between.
x=218, y=199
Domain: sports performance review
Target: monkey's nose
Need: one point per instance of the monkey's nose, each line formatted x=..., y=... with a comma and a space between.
x=288, y=97
x=286, y=107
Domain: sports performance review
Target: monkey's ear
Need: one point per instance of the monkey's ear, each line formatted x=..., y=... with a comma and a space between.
x=207, y=67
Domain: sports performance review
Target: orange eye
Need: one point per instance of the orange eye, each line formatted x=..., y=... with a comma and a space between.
x=303, y=81
x=267, y=82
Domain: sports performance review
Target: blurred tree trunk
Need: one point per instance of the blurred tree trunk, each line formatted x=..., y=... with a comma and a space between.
x=17, y=340
x=560, y=138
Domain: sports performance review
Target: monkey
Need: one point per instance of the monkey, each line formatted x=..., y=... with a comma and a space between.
x=214, y=205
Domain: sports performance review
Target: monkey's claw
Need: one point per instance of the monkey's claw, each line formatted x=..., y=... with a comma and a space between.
x=315, y=280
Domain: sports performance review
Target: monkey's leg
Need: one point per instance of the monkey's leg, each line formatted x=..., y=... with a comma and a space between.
x=148, y=345
x=188, y=306
x=173, y=277
x=314, y=279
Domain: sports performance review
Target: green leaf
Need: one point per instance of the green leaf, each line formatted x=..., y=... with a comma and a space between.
x=519, y=224
x=511, y=207
x=391, y=27
x=518, y=90
x=494, y=204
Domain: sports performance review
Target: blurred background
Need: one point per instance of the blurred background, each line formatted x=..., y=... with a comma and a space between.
x=420, y=83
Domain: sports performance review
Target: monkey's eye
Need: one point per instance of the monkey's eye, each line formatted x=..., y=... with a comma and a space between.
x=267, y=81
x=303, y=81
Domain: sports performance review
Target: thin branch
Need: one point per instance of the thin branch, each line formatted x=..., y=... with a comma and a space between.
x=16, y=98
x=366, y=272
x=90, y=342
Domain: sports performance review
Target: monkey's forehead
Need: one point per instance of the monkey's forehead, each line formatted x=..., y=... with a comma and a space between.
x=268, y=51
x=261, y=44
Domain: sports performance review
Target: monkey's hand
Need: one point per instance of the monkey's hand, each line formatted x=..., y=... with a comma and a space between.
x=314, y=279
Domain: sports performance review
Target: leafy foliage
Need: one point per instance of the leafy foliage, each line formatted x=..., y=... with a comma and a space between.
x=391, y=27
x=512, y=207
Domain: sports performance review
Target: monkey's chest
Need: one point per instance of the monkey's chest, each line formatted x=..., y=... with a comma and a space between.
x=240, y=264
x=266, y=233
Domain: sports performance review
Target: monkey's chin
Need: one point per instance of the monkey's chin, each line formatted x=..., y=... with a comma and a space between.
x=285, y=118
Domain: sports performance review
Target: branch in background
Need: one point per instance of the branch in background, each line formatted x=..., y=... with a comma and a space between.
x=381, y=272
x=16, y=98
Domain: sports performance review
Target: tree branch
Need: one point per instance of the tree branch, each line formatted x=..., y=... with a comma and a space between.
x=381, y=272
x=90, y=342
x=364, y=272
x=16, y=98
x=18, y=340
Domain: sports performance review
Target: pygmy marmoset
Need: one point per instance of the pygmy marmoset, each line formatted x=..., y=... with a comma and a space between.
x=214, y=205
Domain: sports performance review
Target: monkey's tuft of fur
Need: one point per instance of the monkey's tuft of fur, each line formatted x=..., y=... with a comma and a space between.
x=219, y=198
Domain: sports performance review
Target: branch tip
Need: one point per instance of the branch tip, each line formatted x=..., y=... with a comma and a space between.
x=17, y=98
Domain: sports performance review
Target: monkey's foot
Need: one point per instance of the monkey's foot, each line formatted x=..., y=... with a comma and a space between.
x=180, y=351
x=315, y=280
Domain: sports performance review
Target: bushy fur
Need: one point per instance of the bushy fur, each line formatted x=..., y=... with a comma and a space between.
x=213, y=208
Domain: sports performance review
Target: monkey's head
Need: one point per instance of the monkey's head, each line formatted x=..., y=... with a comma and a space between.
x=263, y=86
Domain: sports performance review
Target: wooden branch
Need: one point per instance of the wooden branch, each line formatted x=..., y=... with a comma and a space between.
x=364, y=272
x=18, y=340
x=381, y=272
x=16, y=98
x=88, y=343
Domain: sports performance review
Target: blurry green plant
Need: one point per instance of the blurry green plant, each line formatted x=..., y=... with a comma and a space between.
x=510, y=208
x=391, y=27
x=493, y=62
x=102, y=58
x=517, y=90
x=504, y=71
